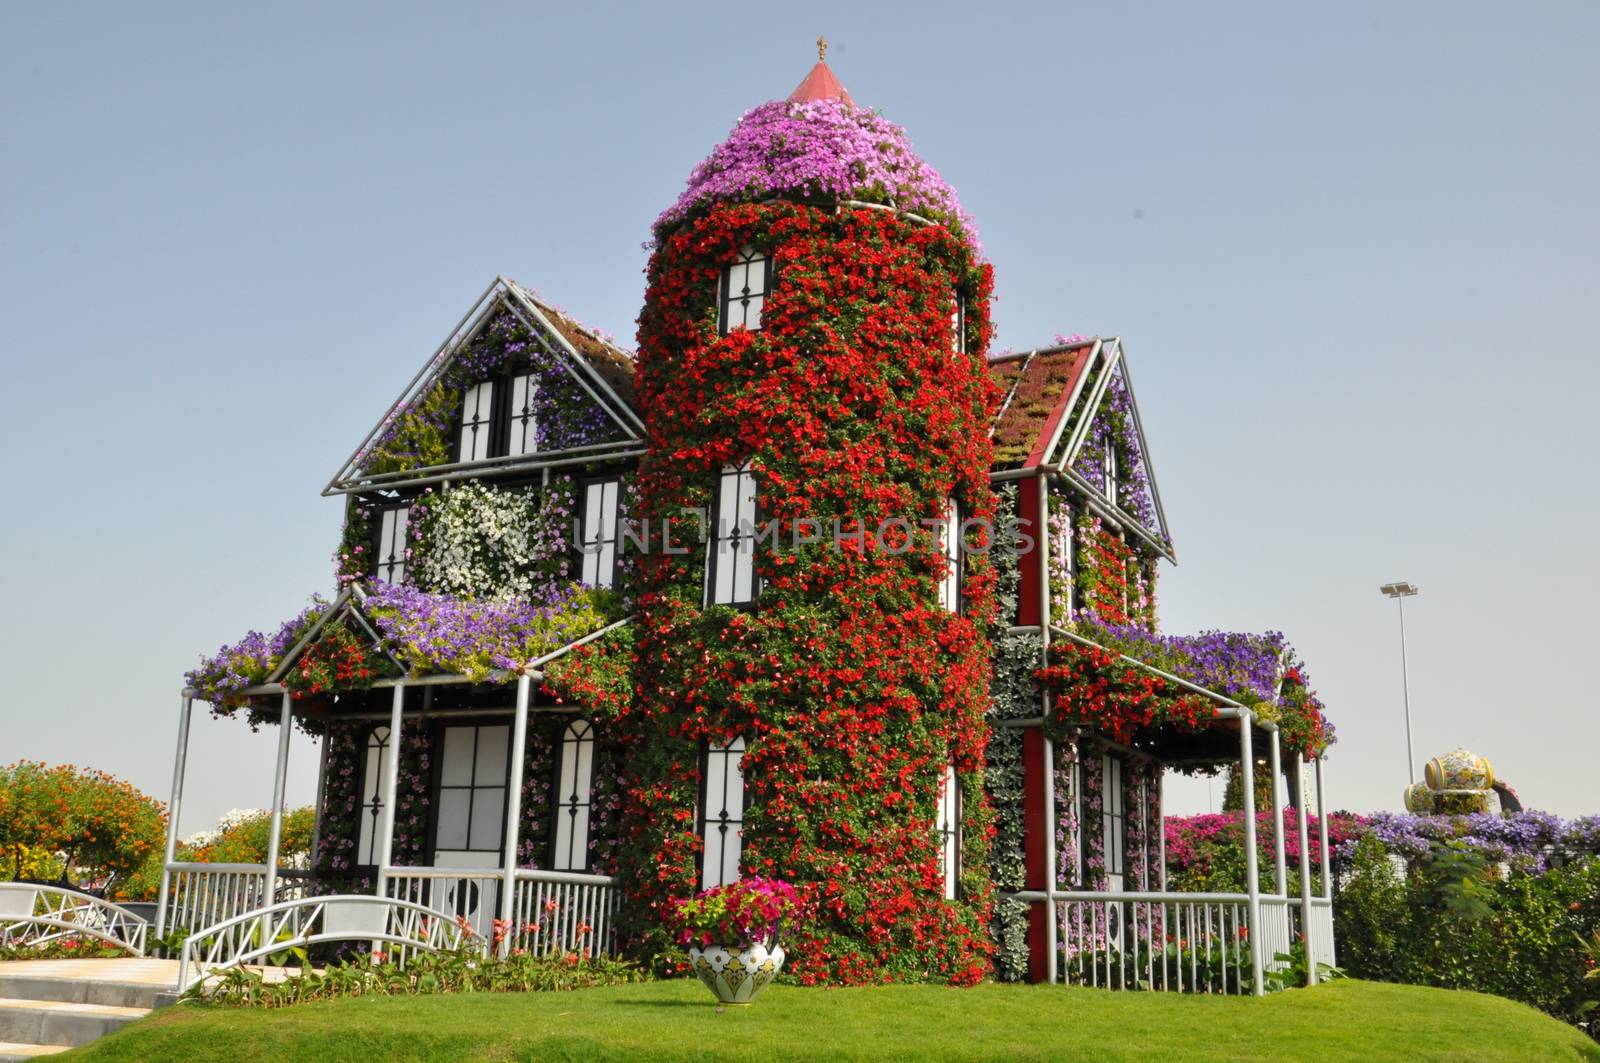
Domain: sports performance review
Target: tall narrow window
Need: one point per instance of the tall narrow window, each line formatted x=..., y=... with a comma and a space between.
x=477, y=420
x=524, y=434
x=1066, y=562
x=958, y=326
x=744, y=292
x=722, y=814
x=950, y=547
x=731, y=562
x=369, y=842
x=1113, y=821
x=472, y=791
x=574, y=783
x=1112, y=473
x=600, y=533
x=950, y=832
x=391, y=545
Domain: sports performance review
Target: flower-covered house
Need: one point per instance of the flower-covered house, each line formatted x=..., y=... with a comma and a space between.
x=811, y=586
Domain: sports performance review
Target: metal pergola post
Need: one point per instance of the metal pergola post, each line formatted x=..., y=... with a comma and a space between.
x=1052, y=872
x=391, y=789
x=1306, y=923
x=519, y=746
x=1252, y=871
x=280, y=779
x=1280, y=858
x=170, y=852
x=1322, y=834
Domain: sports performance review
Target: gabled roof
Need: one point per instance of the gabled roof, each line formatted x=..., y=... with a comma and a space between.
x=1052, y=396
x=602, y=369
x=348, y=603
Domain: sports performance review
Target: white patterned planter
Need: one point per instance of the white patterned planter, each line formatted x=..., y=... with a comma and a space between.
x=736, y=977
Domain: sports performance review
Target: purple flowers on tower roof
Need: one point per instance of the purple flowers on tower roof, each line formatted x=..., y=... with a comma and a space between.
x=827, y=149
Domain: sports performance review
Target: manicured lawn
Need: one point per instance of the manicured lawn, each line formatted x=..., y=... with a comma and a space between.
x=678, y=1020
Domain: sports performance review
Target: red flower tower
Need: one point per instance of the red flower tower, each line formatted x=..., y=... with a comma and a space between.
x=812, y=662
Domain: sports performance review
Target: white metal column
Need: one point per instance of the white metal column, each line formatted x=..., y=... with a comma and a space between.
x=180, y=764
x=391, y=789
x=1280, y=858
x=1322, y=834
x=1307, y=924
x=279, y=781
x=1052, y=871
x=519, y=746
x=1247, y=760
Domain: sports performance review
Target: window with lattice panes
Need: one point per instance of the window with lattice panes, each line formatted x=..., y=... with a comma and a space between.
x=949, y=826
x=573, y=798
x=599, y=530
x=522, y=429
x=475, y=441
x=721, y=818
x=745, y=285
x=389, y=554
x=730, y=550
x=950, y=548
x=374, y=769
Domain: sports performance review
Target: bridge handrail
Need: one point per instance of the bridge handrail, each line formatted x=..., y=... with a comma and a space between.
x=441, y=931
x=112, y=917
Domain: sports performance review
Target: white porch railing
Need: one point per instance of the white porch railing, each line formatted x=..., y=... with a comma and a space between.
x=551, y=911
x=202, y=895
x=1166, y=942
x=562, y=911
x=272, y=932
x=32, y=915
x=1323, y=951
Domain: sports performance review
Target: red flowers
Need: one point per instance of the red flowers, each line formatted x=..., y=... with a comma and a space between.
x=852, y=688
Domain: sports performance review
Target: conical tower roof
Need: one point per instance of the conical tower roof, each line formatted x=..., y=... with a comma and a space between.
x=819, y=144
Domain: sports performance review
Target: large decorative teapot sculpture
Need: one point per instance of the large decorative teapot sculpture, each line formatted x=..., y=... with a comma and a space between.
x=1457, y=783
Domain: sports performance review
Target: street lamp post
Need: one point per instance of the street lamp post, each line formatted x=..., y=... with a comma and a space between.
x=1400, y=591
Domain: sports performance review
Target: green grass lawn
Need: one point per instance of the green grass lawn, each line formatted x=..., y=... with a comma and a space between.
x=679, y=1020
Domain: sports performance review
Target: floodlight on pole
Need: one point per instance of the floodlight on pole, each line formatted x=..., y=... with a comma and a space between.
x=1400, y=591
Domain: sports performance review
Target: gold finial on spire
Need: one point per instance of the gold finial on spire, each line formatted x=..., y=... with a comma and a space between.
x=822, y=49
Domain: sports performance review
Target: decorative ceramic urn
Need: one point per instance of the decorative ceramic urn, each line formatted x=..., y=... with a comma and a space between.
x=736, y=976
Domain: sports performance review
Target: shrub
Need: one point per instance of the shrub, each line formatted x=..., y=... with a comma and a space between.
x=104, y=826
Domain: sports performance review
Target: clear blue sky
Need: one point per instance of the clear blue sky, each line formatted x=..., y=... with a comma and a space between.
x=1349, y=248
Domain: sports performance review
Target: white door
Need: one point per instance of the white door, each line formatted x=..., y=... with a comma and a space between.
x=470, y=828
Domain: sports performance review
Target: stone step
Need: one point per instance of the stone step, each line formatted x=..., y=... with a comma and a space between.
x=35, y=986
x=15, y=1051
x=61, y=1022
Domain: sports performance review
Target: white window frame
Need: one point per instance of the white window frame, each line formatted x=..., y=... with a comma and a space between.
x=475, y=441
x=958, y=326
x=742, y=296
x=949, y=827
x=1114, y=820
x=1066, y=549
x=374, y=767
x=730, y=547
x=950, y=549
x=489, y=779
x=1111, y=472
x=600, y=502
x=523, y=435
x=391, y=548
x=574, y=798
x=721, y=815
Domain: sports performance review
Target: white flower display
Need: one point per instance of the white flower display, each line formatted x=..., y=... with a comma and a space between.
x=487, y=544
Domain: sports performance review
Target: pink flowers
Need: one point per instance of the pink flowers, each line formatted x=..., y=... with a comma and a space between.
x=737, y=915
x=828, y=149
